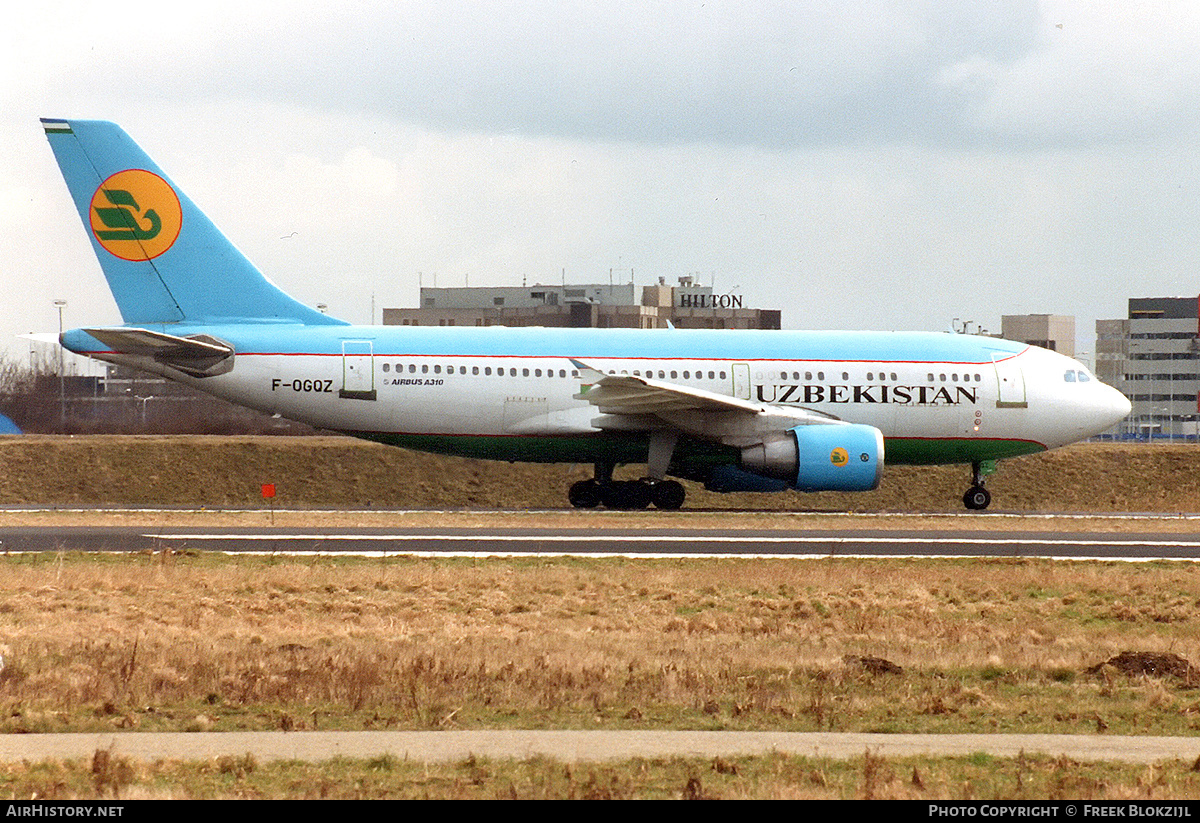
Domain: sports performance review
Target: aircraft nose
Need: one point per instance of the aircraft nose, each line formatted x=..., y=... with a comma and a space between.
x=1111, y=407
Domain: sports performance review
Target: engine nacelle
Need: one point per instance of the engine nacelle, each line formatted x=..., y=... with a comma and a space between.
x=844, y=457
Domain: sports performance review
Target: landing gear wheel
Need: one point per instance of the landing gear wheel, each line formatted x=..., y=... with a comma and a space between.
x=977, y=498
x=667, y=495
x=585, y=494
x=626, y=495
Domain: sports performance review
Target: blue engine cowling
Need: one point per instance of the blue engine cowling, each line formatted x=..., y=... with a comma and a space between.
x=821, y=457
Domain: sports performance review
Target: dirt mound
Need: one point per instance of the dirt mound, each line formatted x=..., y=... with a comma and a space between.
x=872, y=665
x=1155, y=664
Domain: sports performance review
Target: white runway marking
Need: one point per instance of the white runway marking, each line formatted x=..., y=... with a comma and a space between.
x=567, y=541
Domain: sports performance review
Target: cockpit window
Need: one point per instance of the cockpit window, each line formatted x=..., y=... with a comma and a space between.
x=1072, y=376
x=1069, y=376
x=1084, y=377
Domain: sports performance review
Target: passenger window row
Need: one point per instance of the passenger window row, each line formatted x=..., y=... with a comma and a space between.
x=966, y=378
x=673, y=374
x=485, y=371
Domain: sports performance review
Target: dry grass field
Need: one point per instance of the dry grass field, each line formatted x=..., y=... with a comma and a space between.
x=977, y=777
x=207, y=643
x=198, y=642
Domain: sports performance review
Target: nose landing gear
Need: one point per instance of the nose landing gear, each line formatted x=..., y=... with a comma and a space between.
x=977, y=497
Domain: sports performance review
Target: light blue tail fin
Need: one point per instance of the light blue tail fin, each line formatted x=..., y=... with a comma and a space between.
x=164, y=260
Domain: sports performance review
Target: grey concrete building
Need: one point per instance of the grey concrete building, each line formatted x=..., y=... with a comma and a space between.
x=1055, y=332
x=1153, y=357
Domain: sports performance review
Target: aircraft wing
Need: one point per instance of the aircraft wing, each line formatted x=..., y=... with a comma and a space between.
x=198, y=356
x=630, y=402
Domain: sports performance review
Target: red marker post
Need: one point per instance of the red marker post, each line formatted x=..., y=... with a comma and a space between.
x=268, y=493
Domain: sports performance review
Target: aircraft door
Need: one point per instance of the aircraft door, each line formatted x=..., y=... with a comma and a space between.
x=741, y=381
x=1010, y=384
x=358, y=370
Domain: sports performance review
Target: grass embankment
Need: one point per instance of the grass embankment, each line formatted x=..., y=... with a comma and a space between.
x=338, y=472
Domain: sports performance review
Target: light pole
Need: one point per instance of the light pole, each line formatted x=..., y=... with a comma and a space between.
x=143, y=401
x=1166, y=415
x=61, y=304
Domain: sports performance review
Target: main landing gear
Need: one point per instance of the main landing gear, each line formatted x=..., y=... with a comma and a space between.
x=977, y=497
x=627, y=495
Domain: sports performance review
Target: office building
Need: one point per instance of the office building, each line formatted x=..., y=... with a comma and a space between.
x=1153, y=357
x=687, y=305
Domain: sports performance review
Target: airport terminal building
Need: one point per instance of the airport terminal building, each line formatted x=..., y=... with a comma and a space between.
x=613, y=306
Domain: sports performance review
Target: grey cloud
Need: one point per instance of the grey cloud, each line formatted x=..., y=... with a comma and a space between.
x=777, y=74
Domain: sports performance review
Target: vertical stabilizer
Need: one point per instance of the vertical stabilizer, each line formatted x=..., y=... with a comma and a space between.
x=164, y=260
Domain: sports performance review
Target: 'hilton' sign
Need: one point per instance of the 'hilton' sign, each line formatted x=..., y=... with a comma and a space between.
x=709, y=301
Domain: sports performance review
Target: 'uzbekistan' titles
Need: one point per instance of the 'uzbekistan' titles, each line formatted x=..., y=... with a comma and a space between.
x=874, y=393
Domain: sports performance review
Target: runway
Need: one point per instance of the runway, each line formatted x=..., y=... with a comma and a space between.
x=612, y=542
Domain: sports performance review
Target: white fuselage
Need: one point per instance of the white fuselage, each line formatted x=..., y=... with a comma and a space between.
x=981, y=399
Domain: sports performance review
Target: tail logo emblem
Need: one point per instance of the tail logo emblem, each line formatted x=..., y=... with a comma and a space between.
x=135, y=215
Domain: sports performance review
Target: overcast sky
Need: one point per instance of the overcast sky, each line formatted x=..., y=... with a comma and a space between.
x=878, y=164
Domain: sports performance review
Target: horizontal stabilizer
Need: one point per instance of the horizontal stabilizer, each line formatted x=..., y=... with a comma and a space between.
x=199, y=355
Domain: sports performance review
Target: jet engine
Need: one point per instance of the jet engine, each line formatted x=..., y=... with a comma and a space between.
x=820, y=457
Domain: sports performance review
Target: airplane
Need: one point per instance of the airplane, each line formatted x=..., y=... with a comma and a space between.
x=736, y=410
